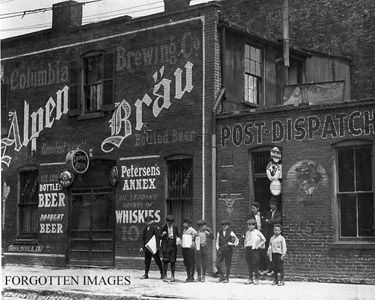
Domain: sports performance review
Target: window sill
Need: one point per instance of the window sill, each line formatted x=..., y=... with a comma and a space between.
x=360, y=245
x=251, y=105
x=91, y=116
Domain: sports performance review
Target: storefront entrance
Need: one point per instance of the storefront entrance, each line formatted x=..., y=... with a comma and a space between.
x=91, y=241
x=91, y=223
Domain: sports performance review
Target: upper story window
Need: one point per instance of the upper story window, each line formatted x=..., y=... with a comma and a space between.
x=91, y=84
x=253, y=74
x=355, y=191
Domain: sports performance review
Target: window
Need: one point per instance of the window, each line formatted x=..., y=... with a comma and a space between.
x=97, y=74
x=28, y=204
x=355, y=191
x=253, y=74
x=180, y=188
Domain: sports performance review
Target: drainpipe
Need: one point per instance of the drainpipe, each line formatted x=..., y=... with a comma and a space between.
x=286, y=39
x=213, y=171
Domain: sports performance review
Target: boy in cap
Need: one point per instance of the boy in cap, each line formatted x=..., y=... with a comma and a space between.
x=188, y=251
x=169, y=246
x=254, y=242
x=260, y=225
x=151, y=230
x=225, y=241
x=201, y=255
x=277, y=252
x=273, y=217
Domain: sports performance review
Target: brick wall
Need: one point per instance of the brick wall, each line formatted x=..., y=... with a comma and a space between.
x=182, y=120
x=337, y=27
x=309, y=220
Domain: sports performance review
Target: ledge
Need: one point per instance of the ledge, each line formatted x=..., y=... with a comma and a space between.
x=91, y=116
x=353, y=245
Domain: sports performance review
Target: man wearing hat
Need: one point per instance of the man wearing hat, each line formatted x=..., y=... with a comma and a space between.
x=273, y=217
x=201, y=255
x=225, y=241
x=170, y=236
x=151, y=231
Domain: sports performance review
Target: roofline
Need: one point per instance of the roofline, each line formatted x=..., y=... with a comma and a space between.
x=125, y=19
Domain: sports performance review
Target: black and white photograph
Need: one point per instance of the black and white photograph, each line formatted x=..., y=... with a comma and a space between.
x=187, y=149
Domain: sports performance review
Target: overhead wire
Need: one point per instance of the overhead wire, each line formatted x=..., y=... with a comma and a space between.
x=112, y=14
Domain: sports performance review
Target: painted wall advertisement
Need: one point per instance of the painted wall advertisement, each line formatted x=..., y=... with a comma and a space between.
x=139, y=188
x=52, y=205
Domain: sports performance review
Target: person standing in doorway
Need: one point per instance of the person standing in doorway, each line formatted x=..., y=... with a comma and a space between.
x=225, y=241
x=170, y=237
x=201, y=255
x=151, y=242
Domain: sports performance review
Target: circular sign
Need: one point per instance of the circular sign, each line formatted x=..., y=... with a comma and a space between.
x=113, y=175
x=78, y=161
x=275, y=187
x=65, y=178
x=275, y=154
x=273, y=171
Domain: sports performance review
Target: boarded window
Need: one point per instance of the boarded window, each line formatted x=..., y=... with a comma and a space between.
x=28, y=204
x=355, y=191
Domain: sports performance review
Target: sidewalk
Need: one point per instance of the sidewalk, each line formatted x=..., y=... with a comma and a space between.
x=65, y=284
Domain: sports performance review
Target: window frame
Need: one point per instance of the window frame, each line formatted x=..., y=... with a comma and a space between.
x=180, y=199
x=350, y=144
x=256, y=76
x=86, y=56
x=20, y=234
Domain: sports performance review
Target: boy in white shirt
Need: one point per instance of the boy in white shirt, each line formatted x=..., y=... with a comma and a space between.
x=254, y=242
x=277, y=252
x=188, y=249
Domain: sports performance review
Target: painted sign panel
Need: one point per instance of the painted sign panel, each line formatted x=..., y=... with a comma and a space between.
x=140, y=190
x=299, y=128
x=314, y=93
x=52, y=203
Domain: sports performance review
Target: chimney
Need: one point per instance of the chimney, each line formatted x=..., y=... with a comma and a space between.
x=175, y=5
x=66, y=15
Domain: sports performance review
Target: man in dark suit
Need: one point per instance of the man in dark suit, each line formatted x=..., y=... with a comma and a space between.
x=273, y=216
x=150, y=230
x=170, y=236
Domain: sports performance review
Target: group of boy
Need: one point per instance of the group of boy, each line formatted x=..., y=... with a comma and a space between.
x=264, y=246
x=194, y=245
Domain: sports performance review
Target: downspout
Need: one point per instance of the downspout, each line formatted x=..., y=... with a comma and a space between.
x=213, y=171
x=286, y=39
x=218, y=99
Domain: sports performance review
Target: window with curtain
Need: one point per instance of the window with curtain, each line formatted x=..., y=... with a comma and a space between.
x=355, y=191
x=28, y=203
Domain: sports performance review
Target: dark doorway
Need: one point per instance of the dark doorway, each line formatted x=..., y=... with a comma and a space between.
x=92, y=218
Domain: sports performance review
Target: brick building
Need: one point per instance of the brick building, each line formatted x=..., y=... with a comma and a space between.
x=127, y=112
